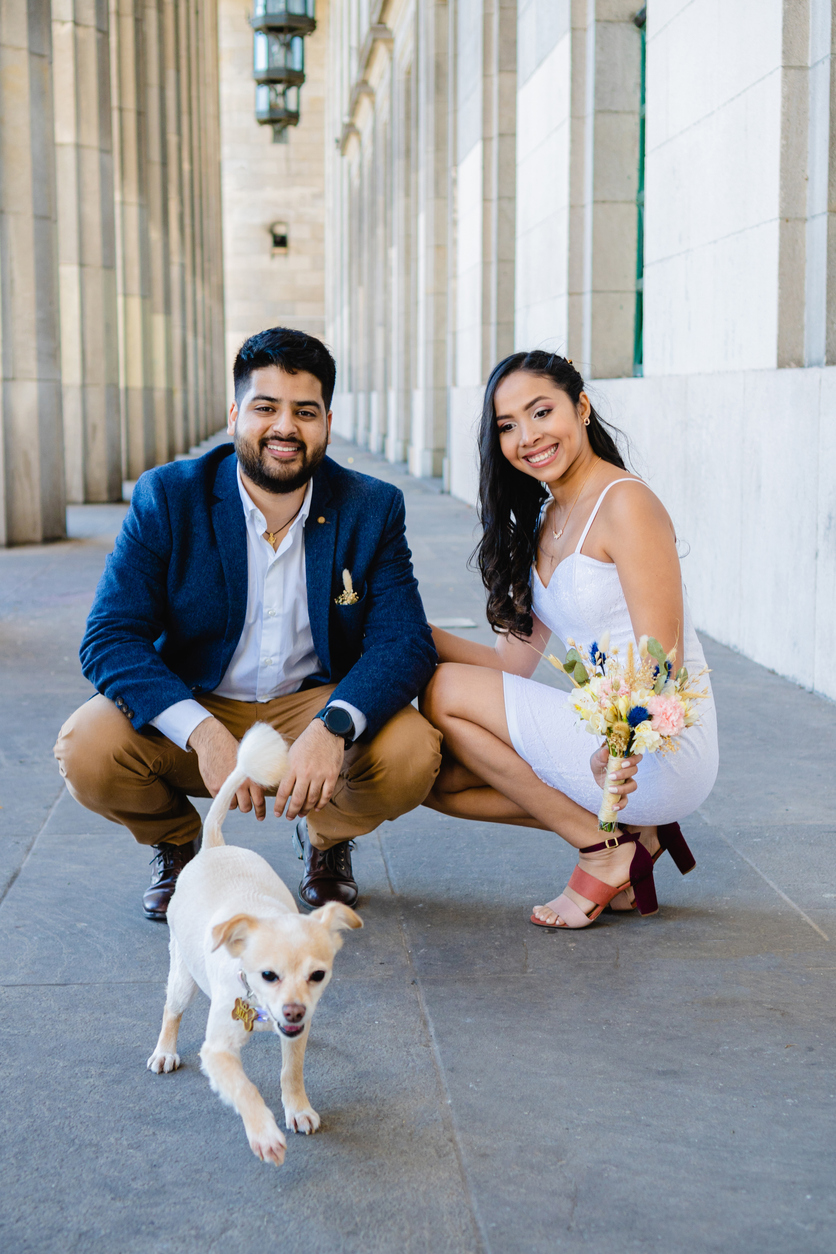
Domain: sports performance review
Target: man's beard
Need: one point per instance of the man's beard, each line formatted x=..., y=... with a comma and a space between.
x=277, y=478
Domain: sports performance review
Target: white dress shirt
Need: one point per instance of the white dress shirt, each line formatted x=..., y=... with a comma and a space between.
x=275, y=652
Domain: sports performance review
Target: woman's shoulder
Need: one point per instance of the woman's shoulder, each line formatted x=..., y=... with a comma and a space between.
x=631, y=504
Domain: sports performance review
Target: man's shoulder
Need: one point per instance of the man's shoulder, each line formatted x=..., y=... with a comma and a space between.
x=188, y=475
x=353, y=486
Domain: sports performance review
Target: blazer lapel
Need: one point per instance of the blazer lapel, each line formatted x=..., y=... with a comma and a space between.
x=231, y=534
x=320, y=543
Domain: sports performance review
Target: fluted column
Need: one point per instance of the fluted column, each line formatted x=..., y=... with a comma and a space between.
x=159, y=276
x=86, y=251
x=133, y=262
x=32, y=507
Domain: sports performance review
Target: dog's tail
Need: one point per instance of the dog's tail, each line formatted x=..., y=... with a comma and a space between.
x=262, y=757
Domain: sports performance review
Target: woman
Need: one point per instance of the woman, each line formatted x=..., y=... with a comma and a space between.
x=572, y=544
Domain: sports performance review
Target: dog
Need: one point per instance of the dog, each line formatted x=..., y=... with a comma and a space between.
x=237, y=934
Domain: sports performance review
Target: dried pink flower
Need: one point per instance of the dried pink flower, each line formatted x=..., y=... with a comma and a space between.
x=667, y=715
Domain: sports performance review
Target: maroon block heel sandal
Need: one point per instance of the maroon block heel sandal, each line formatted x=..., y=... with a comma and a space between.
x=671, y=839
x=673, y=842
x=641, y=882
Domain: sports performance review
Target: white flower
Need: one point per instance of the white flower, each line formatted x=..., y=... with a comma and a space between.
x=645, y=739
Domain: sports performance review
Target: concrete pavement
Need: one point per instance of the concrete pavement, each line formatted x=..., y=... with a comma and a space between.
x=654, y=1085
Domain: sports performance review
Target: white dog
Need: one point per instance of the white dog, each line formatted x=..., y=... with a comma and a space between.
x=236, y=933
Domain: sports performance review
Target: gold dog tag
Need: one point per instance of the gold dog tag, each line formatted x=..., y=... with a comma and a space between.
x=245, y=1012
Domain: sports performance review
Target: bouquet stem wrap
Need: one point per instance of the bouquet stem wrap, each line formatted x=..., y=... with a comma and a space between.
x=608, y=815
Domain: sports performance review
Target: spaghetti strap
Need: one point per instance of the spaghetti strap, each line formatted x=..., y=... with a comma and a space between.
x=591, y=519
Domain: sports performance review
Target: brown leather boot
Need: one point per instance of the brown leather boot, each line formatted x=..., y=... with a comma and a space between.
x=328, y=875
x=168, y=862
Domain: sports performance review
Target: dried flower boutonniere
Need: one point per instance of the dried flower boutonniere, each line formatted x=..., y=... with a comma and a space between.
x=348, y=596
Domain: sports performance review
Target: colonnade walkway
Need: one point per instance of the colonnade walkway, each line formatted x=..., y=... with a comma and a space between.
x=654, y=1085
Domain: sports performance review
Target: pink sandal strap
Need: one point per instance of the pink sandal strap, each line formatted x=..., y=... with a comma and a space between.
x=569, y=911
x=589, y=886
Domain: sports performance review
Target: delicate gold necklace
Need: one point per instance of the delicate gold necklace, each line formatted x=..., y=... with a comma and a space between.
x=558, y=534
x=272, y=536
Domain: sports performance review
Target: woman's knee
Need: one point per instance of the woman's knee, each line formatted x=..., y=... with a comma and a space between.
x=437, y=698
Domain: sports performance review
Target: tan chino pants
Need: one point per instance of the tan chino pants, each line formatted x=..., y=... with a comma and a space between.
x=144, y=781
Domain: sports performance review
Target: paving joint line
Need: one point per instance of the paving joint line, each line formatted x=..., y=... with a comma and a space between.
x=13, y=879
x=767, y=880
x=479, y=1230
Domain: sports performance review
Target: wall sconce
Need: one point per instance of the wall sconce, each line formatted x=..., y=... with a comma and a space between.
x=279, y=236
x=279, y=28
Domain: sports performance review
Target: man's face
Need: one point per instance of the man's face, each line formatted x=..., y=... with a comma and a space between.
x=281, y=428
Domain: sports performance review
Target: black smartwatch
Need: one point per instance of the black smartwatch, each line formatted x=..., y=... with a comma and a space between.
x=338, y=721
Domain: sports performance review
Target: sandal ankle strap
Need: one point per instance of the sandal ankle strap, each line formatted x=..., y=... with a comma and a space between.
x=612, y=842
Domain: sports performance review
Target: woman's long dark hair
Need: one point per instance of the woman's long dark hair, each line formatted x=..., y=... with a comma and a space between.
x=510, y=501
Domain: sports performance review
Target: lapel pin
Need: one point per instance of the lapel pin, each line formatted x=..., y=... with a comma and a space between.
x=320, y=519
x=348, y=596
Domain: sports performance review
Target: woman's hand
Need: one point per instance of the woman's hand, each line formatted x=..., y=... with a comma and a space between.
x=622, y=781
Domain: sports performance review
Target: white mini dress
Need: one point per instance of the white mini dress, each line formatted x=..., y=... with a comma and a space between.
x=584, y=599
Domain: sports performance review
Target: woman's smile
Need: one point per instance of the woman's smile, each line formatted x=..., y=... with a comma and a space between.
x=542, y=456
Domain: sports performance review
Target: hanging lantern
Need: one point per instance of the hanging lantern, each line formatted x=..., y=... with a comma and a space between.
x=279, y=28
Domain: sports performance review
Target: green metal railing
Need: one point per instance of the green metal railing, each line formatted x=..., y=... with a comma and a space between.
x=638, y=323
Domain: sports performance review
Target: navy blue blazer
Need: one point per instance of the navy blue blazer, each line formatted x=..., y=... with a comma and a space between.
x=169, y=609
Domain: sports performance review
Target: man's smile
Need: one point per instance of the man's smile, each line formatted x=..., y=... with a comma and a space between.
x=282, y=449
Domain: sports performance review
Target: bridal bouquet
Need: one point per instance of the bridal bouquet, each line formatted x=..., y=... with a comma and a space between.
x=639, y=704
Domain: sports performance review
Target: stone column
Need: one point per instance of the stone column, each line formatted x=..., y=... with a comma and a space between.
x=172, y=62
x=603, y=222
x=159, y=276
x=403, y=309
x=428, y=436
x=187, y=124
x=86, y=251
x=133, y=261
x=499, y=179
x=32, y=499
x=213, y=235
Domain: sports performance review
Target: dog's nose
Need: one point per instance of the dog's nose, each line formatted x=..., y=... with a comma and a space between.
x=293, y=1012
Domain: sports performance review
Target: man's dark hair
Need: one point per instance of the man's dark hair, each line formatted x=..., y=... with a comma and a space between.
x=291, y=351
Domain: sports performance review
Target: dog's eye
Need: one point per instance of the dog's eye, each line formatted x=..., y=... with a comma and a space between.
x=316, y=976
x=270, y=976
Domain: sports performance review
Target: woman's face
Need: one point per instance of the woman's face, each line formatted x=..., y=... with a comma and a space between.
x=541, y=432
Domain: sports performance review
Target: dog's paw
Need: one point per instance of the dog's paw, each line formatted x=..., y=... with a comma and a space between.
x=305, y=1120
x=267, y=1141
x=159, y=1062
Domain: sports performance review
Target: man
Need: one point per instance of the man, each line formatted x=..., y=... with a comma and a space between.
x=261, y=582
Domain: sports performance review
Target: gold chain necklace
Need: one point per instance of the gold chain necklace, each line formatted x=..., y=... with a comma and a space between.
x=272, y=536
x=558, y=534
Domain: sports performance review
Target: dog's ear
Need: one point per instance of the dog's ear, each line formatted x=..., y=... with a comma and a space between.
x=233, y=933
x=336, y=917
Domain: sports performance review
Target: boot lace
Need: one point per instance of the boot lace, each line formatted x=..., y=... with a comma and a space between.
x=338, y=858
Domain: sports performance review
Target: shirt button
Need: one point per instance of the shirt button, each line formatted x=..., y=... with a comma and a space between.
x=271, y=613
x=267, y=661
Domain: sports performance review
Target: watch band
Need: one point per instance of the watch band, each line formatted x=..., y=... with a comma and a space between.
x=338, y=721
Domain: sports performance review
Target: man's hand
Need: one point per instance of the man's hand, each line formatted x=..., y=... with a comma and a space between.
x=217, y=751
x=622, y=781
x=313, y=768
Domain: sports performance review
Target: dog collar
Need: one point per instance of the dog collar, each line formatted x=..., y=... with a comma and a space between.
x=250, y=1014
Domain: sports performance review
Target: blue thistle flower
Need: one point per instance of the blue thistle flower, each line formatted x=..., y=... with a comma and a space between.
x=637, y=715
x=596, y=654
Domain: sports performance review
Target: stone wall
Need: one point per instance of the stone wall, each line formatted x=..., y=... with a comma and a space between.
x=111, y=318
x=707, y=331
